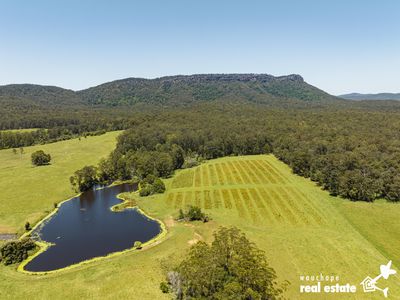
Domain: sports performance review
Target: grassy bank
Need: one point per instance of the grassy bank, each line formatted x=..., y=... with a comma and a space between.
x=28, y=193
x=302, y=229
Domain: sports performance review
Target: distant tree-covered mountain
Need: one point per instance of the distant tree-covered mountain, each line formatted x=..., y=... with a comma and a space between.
x=380, y=96
x=172, y=91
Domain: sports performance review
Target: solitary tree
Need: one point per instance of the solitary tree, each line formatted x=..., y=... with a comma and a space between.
x=39, y=158
x=231, y=267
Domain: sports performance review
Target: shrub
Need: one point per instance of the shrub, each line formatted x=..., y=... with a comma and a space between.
x=27, y=226
x=16, y=251
x=138, y=245
x=195, y=214
x=151, y=185
x=158, y=186
x=146, y=190
x=181, y=214
x=39, y=158
x=164, y=287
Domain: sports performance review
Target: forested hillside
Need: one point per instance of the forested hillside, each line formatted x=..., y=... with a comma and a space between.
x=350, y=148
x=169, y=91
x=354, y=153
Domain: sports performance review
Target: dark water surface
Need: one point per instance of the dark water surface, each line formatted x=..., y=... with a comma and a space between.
x=85, y=227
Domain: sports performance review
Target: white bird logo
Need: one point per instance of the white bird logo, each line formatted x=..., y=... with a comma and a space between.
x=369, y=284
x=386, y=271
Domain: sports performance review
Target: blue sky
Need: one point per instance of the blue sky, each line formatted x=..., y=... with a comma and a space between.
x=339, y=46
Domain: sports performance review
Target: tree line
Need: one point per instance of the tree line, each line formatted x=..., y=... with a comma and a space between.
x=351, y=153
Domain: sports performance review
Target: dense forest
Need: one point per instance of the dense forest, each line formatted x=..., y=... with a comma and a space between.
x=354, y=154
x=351, y=149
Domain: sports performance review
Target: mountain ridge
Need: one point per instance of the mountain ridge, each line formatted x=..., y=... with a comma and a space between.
x=173, y=90
x=377, y=96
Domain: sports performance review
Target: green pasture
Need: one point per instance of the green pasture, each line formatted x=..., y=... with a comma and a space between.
x=28, y=193
x=302, y=229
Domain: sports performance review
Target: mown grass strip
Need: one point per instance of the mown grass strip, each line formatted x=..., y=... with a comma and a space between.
x=204, y=176
x=265, y=214
x=235, y=174
x=249, y=205
x=197, y=199
x=284, y=207
x=188, y=198
x=271, y=205
x=170, y=199
x=238, y=203
x=227, y=198
x=296, y=206
x=222, y=180
x=262, y=176
x=249, y=170
x=217, y=198
x=197, y=177
x=275, y=171
x=227, y=173
x=207, y=200
x=213, y=175
x=316, y=213
x=267, y=173
x=245, y=176
x=179, y=200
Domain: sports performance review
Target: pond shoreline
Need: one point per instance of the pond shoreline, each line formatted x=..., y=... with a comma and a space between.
x=43, y=245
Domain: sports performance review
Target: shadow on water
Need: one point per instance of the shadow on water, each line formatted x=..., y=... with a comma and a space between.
x=85, y=227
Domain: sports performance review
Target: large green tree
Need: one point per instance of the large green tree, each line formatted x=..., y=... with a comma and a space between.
x=84, y=179
x=231, y=267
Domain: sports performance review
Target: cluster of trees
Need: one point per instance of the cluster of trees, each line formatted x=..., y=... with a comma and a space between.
x=89, y=176
x=231, y=267
x=40, y=158
x=16, y=251
x=85, y=178
x=151, y=185
x=193, y=213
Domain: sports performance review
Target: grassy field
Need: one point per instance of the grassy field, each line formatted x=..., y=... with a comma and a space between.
x=28, y=192
x=302, y=229
x=20, y=130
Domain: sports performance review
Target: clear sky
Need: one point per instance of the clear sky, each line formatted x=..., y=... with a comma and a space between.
x=339, y=46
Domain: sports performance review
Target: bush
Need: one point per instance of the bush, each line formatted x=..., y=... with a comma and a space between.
x=193, y=214
x=27, y=226
x=39, y=158
x=146, y=190
x=164, y=287
x=151, y=185
x=181, y=214
x=16, y=251
x=138, y=245
x=158, y=186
